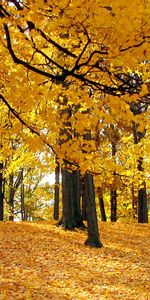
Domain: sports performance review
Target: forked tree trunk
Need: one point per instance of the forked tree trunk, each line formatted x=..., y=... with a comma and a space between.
x=57, y=191
x=93, y=232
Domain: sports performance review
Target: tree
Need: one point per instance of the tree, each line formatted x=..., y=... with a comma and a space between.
x=88, y=60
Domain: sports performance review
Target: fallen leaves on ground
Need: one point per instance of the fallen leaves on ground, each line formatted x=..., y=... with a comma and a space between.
x=41, y=261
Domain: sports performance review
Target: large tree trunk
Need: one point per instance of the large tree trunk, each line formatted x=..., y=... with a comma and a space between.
x=56, y=195
x=101, y=205
x=1, y=193
x=77, y=197
x=84, y=200
x=142, y=206
x=93, y=232
x=67, y=200
x=71, y=200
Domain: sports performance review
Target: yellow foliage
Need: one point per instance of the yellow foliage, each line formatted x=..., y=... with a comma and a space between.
x=79, y=42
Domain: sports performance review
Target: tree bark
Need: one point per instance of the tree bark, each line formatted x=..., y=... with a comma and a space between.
x=113, y=191
x=76, y=199
x=101, y=205
x=71, y=200
x=57, y=190
x=11, y=197
x=142, y=206
x=113, y=201
x=22, y=203
x=134, y=203
x=142, y=195
x=93, y=232
x=84, y=200
x=1, y=193
x=142, y=198
x=13, y=186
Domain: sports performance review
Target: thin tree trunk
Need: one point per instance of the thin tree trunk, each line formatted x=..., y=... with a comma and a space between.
x=56, y=195
x=1, y=193
x=93, y=232
x=11, y=197
x=113, y=201
x=113, y=191
x=22, y=203
x=101, y=205
x=13, y=186
x=142, y=198
x=134, y=202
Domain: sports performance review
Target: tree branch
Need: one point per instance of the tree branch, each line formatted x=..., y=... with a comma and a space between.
x=25, y=64
x=59, y=47
x=120, y=90
x=133, y=46
x=16, y=114
x=4, y=12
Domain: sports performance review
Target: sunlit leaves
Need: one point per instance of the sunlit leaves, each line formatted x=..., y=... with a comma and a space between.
x=86, y=46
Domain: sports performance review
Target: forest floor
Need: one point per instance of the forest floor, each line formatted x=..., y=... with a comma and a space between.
x=40, y=261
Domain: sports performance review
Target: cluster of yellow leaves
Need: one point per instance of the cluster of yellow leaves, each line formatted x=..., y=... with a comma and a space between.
x=41, y=261
x=115, y=26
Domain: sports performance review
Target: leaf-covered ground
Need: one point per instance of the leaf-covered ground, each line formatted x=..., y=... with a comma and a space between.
x=41, y=261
